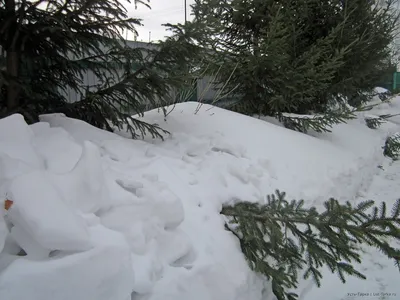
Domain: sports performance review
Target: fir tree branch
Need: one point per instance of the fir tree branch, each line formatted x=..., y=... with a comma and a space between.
x=281, y=238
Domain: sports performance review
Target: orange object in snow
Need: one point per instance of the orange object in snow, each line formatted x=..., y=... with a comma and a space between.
x=8, y=204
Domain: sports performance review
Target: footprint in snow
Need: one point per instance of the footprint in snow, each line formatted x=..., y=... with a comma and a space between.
x=129, y=186
x=229, y=149
x=177, y=250
x=185, y=261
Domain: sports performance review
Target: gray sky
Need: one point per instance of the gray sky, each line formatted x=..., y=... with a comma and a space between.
x=162, y=11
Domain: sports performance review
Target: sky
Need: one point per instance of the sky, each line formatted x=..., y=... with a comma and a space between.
x=162, y=11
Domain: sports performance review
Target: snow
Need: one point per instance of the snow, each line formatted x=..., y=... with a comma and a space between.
x=3, y=232
x=274, y=162
x=381, y=90
x=103, y=217
x=52, y=145
x=37, y=203
x=104, y=272
x=17, y=143
x=382, y=274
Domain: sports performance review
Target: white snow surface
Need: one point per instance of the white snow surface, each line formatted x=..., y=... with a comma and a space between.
x=380, y=90
x=103, y=217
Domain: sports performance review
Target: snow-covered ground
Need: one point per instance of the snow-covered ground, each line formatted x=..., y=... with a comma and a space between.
x=103, y=217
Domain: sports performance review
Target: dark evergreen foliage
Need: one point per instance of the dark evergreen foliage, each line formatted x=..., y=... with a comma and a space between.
x=297, y=56
x=281, y=239
x=50, y=46
x=374, y=122
x=392, y=146
x=317, y=123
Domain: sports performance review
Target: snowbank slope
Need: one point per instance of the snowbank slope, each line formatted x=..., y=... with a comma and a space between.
x=104, y=217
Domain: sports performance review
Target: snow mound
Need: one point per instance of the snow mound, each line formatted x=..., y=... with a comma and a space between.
x=103, y=217
x=51, y=244
x=274, y=157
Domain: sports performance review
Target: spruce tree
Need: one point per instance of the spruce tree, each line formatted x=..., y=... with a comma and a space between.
x=49, y=46
x=374, y=27
x=302, y=56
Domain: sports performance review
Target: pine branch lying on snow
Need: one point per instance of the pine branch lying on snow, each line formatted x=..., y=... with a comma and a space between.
x=374, y=122
x=323, y=122
x=392, y=146
x=281, y=238
x=318, y=123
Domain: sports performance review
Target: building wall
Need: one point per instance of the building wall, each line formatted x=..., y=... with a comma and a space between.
x=90, y=80
x=205, y=90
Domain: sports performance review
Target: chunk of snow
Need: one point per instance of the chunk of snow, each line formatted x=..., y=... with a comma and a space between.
x=102, y=273
x=40, y=128
x=133, y=221
x=169, y=209
x=26, y=241
x=17, y=143
x=39, y=210
x=20, y=130
x=80, y=130
x=145, y=221
x=57, y=148
x=147, y=270
x=84, y=186
x=12, y=167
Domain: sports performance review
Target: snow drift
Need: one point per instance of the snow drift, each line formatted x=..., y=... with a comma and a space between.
x=102, y=217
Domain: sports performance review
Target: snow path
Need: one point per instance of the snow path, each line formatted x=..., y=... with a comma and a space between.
x=382, y=281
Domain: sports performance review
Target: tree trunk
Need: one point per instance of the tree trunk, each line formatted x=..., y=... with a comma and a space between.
x=12, y=89
x=12, y=58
